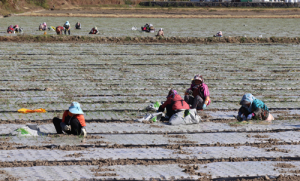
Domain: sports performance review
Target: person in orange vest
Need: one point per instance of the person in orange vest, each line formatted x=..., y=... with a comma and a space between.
x=72, y=122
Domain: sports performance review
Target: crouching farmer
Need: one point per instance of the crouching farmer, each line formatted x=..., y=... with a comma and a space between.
x=198, y=94
x=73, y=121
x=178, y=110
x=253, y=108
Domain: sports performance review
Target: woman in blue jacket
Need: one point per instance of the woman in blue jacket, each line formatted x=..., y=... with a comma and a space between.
x=253, y=108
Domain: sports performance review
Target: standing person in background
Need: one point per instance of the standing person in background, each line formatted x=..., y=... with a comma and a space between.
x=67, y=27
x=198, y=94
x=73, y=121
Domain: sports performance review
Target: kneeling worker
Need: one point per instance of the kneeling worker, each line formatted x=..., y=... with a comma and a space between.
x=94, y=30
x=178, y=110
x=73, y=121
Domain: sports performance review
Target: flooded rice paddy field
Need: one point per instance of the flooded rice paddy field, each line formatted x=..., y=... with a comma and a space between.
x=114, y=83
x=120, y=27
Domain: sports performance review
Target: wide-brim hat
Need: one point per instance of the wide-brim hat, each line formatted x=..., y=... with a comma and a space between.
x=75, y=108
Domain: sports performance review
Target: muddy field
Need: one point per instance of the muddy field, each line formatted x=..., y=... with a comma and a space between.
x=114, y=83
x=121, y=27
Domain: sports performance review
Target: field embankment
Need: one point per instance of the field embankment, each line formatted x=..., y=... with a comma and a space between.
x=122, y=40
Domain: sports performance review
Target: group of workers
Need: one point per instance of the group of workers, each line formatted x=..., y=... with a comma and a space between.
x=14, y=29
x=178, y=110
x=66, y=28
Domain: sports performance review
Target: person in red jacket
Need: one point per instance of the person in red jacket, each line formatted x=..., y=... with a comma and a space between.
x=178, y=110
x=59, y=30
x=73, y=121
x=10, y=29
x=94, y=30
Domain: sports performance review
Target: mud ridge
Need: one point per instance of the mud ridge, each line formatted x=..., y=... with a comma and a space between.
x=151, y=40
x=110, y=162
x=185, y=143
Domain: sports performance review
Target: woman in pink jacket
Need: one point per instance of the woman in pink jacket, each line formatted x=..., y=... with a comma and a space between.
x=198, y=94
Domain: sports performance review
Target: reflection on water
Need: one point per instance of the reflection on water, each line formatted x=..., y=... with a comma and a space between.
x=115, y=27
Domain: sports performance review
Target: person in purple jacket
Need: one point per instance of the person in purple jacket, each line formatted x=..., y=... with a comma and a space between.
x=198, y=94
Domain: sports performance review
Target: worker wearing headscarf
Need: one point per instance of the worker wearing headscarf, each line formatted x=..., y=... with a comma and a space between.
x=252, y=108
x=160, y=32
x=67, y=27
x=78, y=25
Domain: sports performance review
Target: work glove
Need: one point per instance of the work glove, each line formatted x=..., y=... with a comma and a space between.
x=160, y=109
x=239, y=118
x=249, y=116
x=65, y=127
x=189, y=92
x=243, y=117
x=83, y=132
x=204, y=106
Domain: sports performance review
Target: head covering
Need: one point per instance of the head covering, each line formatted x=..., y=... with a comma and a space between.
x=75, y=108
x=67, y=23
x=16, y=26
x=246, y=99
x=95, y=27
x=172, y=93
x=44, y=23
x=198, y=77
x=161, y=29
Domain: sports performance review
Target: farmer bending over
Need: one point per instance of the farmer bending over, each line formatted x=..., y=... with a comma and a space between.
x=10, y=29
x=178, y=110
x=67, y=27
x=198, y=94
x=59, y=30
x=253, y=108
x=73, y=121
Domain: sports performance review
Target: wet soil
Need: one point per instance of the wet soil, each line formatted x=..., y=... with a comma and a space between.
x=76, y=155
x=192, y=170
x=285, y=165
x=138, y=40
x=110, y=162
x=278, y=150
